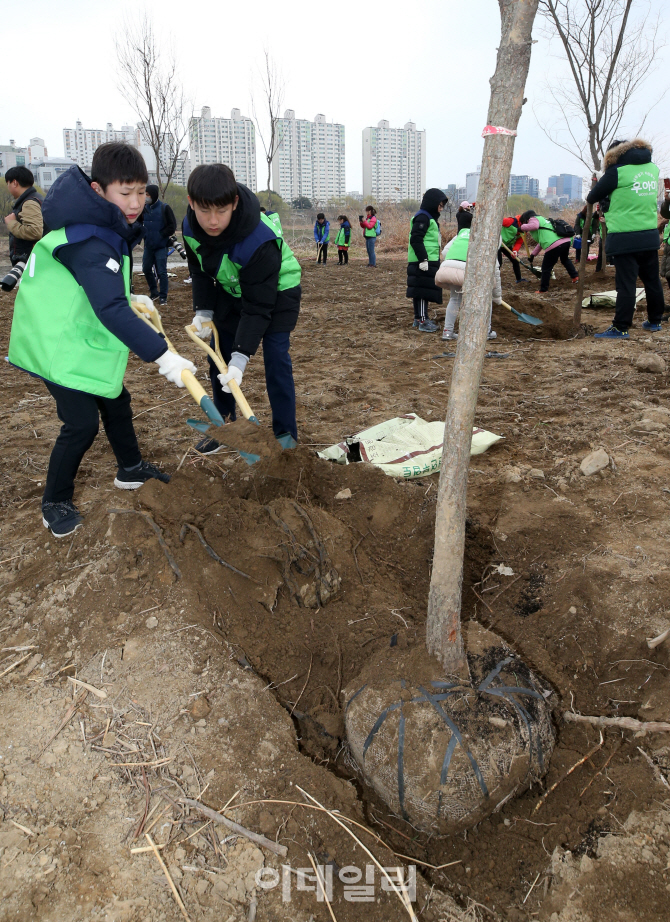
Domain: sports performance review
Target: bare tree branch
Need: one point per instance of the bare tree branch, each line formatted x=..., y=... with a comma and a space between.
x=609, y=57
x=149, y=81
x=272, y=100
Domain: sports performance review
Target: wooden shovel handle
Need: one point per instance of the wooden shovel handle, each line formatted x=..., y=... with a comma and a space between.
x=217, y=358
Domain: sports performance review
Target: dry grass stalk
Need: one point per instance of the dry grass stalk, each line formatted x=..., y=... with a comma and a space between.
x=626, y=723
x=175, y=892
x=72, y=710
x=569, y=772
x=14, y=665
x=321, y=886
x=656, y=641
x=99, y=693
x=254, y=837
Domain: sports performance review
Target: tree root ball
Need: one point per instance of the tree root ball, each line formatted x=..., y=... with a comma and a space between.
x=442, y=753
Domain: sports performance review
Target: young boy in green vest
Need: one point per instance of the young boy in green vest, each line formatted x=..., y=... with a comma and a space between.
x=73, y=325
x=423, y=259
x=247, y=281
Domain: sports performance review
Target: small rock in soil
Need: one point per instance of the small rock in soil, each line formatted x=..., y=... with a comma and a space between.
x=595, y=461
x=200, y=708
x=536, y=474
x=344, y=494
x=152, y=622
x=650, y=361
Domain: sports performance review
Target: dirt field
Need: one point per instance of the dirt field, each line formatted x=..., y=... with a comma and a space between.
x=223, y=681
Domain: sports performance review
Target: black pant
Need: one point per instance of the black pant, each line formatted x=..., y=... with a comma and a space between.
x=420, y=309
x=551, y=257
x=323, y=251
x=343, y=257
x=627, y=267
x=515, y=263
x=79, y=412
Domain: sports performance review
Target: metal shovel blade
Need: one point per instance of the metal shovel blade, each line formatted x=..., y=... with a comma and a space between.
x=524, y=318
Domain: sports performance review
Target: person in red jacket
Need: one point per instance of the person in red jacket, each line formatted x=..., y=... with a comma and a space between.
x=369, y=225
x=513, y=239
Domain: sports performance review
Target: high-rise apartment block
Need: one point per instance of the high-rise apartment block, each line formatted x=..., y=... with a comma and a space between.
x=567, y=186
x=81, y=143
x=310, y=159
x=394, y=163
x=225, y=140
x=524, y=185
x=472, y=184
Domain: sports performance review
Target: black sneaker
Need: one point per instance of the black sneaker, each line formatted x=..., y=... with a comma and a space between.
x=162, y=302
x=133, y=480
x=208, y=447
x=61, y=518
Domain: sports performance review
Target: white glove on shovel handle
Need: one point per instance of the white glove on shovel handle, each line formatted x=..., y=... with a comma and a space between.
x=234, y=374
x=145, y=302
x=171, y=366
x=202, y=317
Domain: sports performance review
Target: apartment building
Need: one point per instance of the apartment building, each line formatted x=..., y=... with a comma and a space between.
x=225, y=140
x=80, y=143
x=524, y=185
x=310, y=159
x=394, y=162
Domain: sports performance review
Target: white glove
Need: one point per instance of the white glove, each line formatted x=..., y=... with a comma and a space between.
x=497, y=301
x=171, y=365
x=424, y=266
x=236, y=366
x=144, y=301
x=198, y=320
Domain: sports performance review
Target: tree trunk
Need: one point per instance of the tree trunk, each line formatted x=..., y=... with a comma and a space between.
x=443, y=635
x=577, y=316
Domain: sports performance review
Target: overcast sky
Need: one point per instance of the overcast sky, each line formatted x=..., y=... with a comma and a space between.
x=428, y=61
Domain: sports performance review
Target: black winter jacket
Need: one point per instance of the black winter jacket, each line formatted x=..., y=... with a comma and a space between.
x=261, y=309
x=421, y=284
x=636, y=152
x=20, y=250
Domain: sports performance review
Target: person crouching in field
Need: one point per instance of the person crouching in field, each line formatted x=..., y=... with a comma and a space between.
x=423, y=259
x=451, y=275
x=322, y=236
x=343, y=240
x=554, y=246
x=247, y=281
x=73, y=325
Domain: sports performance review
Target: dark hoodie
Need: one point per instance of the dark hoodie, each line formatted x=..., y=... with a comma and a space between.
x=637, y=153
x=159, y=221
x=98, y=236
x=261, y=309
x=422, y=284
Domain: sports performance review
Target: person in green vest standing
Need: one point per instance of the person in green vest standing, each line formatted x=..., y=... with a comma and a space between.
x=343, y=240
x=665, y=233
x=423, y=259
x=631, y=182
x=247, y=281
x=73, y=325
x=369, y=223
x=555, y=247
x=451, y=275
x=512, y=237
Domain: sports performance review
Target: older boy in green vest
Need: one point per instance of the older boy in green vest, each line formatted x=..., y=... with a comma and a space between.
x=247, y=281
x=73, y=325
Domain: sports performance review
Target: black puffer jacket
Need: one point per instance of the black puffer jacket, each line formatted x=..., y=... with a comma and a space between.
x=422, y=284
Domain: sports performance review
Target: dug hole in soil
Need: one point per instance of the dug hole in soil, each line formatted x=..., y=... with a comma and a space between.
x=220, y=677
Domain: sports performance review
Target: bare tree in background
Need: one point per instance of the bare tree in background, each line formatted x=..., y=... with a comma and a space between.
x=609, y=56
x=272, y=100
x=149, y=81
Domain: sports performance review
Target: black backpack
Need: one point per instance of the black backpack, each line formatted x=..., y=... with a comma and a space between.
x=561, y=227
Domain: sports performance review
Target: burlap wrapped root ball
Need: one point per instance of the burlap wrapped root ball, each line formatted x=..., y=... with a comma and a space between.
x=441, y=754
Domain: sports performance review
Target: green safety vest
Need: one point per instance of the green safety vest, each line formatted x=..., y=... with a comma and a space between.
x=55, y=332
x=459, y=248
x=431, y=242
x=276, y=220
x=546, y=235
x=666, y=233
x=340, y=240
x=370, y=231
x=509, y=235
x=228, y=272
x=633, y=202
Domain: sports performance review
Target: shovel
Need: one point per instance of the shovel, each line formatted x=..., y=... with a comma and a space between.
x=192, y=385
x=524, y=318
x=286, y=440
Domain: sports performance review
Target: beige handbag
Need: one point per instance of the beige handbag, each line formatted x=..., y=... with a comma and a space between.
x=448, y=275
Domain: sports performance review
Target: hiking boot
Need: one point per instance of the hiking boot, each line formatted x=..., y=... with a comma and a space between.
x=449, y=335
x=427, y=326
x=491, y=334
x=208, y=447
x=612, y=333
x=651, y=327
x=61, y=518
x=133, y=480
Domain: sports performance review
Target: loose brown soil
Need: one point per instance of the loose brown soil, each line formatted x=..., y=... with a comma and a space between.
x=238, y=686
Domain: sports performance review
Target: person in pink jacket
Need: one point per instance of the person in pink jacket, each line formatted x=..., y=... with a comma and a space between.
x=369, y=225
x=555, y=247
